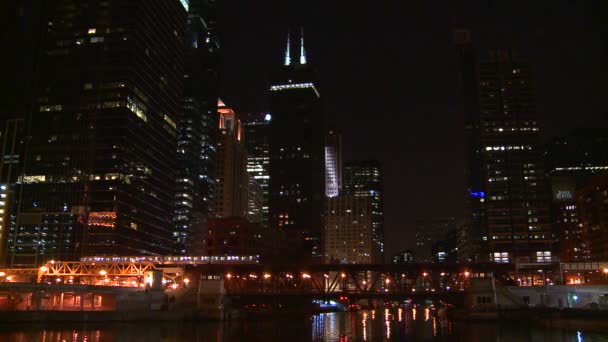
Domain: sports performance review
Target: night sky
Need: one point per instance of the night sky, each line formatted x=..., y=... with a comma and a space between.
x=387, y=76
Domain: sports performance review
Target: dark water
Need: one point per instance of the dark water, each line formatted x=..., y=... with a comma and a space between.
x=379, y=325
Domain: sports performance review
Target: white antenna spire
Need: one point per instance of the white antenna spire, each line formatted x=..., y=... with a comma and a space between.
x=302, y=52
x=287, y=53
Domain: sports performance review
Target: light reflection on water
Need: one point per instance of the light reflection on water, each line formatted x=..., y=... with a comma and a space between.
x=394, y=324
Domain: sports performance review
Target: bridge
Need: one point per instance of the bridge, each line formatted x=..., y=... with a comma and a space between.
x=244, y=276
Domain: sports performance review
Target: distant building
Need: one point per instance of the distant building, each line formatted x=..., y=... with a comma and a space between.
x=255, y=201
x=231, y=177
x=429, y=232
x=507, y=199
x=446, y=249
x=257, y=135
x=348, y=234
x=571, y=244
x=593, y=216
x=580, y=155
x=364, y=179
x=403, y=257
x=333, y=163
x=297, y=188
x=234, y=236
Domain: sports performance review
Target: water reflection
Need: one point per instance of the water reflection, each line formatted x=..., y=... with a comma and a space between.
x=390, y=324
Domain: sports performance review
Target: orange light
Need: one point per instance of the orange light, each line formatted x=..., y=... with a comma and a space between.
x=343, y=275
x=605, y=270
x=228, y=276
x=186, y=281
x=424, y=274
x=266, y=276
x=466, y=273
x=103, y=272
x=305, y=276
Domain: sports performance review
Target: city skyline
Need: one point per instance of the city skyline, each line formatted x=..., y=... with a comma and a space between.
x=413, y=79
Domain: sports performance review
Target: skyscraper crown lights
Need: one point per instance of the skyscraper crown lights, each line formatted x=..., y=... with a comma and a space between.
x=288, y=49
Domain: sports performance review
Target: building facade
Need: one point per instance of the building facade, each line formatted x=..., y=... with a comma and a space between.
x=231, y=177
x=197, y=130
x=348, y=235
x=592, y=201
x=99, y=163
x=234, y=236
x=507, y=192
x=257, y=131
x=296, y=188
x=364, y=179
x=333, y=163
x=430, y=233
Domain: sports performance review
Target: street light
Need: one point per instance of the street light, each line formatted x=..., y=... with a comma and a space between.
x=2, y=274
x=186, y=281
x=103, y=273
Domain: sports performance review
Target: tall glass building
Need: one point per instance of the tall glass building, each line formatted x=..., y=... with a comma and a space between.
x=99, y=164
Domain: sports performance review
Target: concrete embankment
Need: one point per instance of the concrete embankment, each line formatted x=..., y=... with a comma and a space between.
x=11, y=317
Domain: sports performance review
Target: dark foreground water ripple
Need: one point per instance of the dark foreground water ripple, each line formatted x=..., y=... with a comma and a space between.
x=367, y=325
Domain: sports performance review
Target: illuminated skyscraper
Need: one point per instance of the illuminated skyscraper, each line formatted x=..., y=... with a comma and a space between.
x=364, y=179
x=231, y=178
x=257, y=135
x=99, y=164
x=333, y=163
x=197, y=129
x=507, y=189
x=297, y=155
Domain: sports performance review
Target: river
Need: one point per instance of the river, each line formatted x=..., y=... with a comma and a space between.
x=366, y=325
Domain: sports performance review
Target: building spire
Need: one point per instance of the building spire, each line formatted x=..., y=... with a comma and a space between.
x=302, y=52
x=287, y=53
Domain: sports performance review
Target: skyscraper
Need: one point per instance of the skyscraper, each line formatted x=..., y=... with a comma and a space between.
x=333, y=163
x=507, y=187
x=297, y=154
x=99, y=164
x=197, y=125
x=231, y=178
x=257, y=135
x=364, y=179
x=348, y=235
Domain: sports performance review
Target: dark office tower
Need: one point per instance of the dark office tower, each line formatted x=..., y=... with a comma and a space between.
x=197, y=126
x=296, y=155
x=509, y=202
x=364, y=179
x=333, y=163
x=472, y=231
x=99, y=167
x=257, y=135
